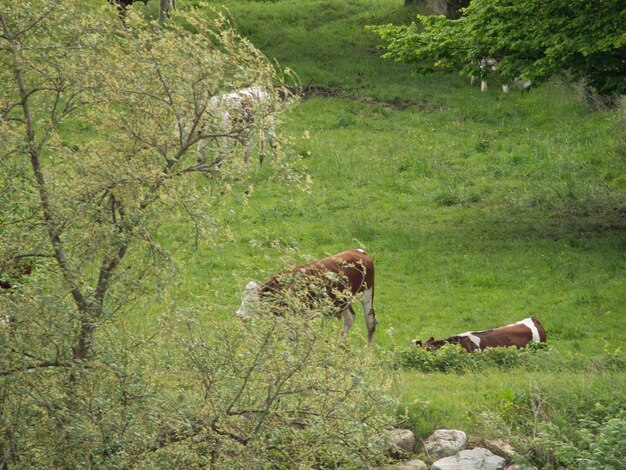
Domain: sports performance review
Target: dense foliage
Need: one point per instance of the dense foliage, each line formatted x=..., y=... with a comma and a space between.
x=453, y=358
x=99, y=125
x=99, y=128
x=529, y=39
x=270, y=393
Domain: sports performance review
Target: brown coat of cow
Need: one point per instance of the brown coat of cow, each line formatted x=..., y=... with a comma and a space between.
x=516, y=334
x=342, y=278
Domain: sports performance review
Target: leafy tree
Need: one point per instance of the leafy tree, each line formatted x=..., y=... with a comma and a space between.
x=530, y=39
x=99, y=132
x=165, y=7
x=99, y=126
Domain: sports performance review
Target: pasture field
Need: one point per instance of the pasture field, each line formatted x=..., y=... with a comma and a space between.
x=480, y=209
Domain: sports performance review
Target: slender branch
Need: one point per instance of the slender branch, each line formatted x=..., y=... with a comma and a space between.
x=251, y=369
x=277, y=394
x=10, y=106
x=34, y=22
x=51, y=223
x=32, y=255
x=166, y=88
x=41, y=365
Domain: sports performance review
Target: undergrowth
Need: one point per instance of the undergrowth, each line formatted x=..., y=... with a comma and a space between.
x=536, y=356
x=453, y=358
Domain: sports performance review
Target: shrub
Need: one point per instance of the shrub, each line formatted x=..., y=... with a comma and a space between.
x=450, y=358
x=594, y=443
x=453, y=358
x=563, y=429
x=268, y=393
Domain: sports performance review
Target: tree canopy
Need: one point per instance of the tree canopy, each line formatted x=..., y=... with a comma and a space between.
x=530, y=39
x=99, y=129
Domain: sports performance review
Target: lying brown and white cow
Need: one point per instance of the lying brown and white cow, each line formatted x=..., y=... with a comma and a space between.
x=341, y=279
x=517, y=334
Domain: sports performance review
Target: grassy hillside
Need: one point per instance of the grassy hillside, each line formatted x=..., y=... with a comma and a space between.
x=480, y=209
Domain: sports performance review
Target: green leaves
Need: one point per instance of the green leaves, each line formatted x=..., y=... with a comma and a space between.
x=530, y=39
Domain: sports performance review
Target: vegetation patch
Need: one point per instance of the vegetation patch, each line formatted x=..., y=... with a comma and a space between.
x=453, y=358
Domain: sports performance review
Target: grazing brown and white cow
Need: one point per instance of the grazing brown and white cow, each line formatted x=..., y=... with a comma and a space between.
x=341, y=279
x=516, y=334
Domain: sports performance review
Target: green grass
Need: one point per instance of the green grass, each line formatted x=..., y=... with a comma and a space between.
x=480, y=209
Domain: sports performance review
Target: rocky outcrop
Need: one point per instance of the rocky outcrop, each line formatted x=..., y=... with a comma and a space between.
x=448, y=447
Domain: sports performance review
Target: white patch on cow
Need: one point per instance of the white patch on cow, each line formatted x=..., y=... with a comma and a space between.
x=367, y=300
x=473, y=338
x=249, y=299
x=360, y=250
x=528, y=322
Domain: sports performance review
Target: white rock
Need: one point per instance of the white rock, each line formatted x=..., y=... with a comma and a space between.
x=402, y=440
x=474, y=459
x=445, y=442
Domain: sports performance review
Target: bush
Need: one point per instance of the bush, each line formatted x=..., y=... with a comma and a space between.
x=593, y=444
x=269, y=392
x=453, y=358
x=584, y=429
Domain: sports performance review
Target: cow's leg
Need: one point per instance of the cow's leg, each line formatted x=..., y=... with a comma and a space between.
x=348, y=318
x=367, y=299
x=246, y=153
x=218, y=161
x=214, y=166
x=261, y=146
x=272, y=137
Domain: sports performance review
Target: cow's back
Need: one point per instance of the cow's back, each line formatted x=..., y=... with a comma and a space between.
x=517, y=334
x=349, y=272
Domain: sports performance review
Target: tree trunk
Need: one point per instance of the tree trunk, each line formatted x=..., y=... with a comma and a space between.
x=165, y=9
x=449, y=8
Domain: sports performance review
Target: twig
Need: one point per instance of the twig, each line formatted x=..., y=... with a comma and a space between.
x=372, y=17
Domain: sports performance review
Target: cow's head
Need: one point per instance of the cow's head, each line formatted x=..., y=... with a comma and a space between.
x=249, y=300
x=430, y=344
x=420, y=344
